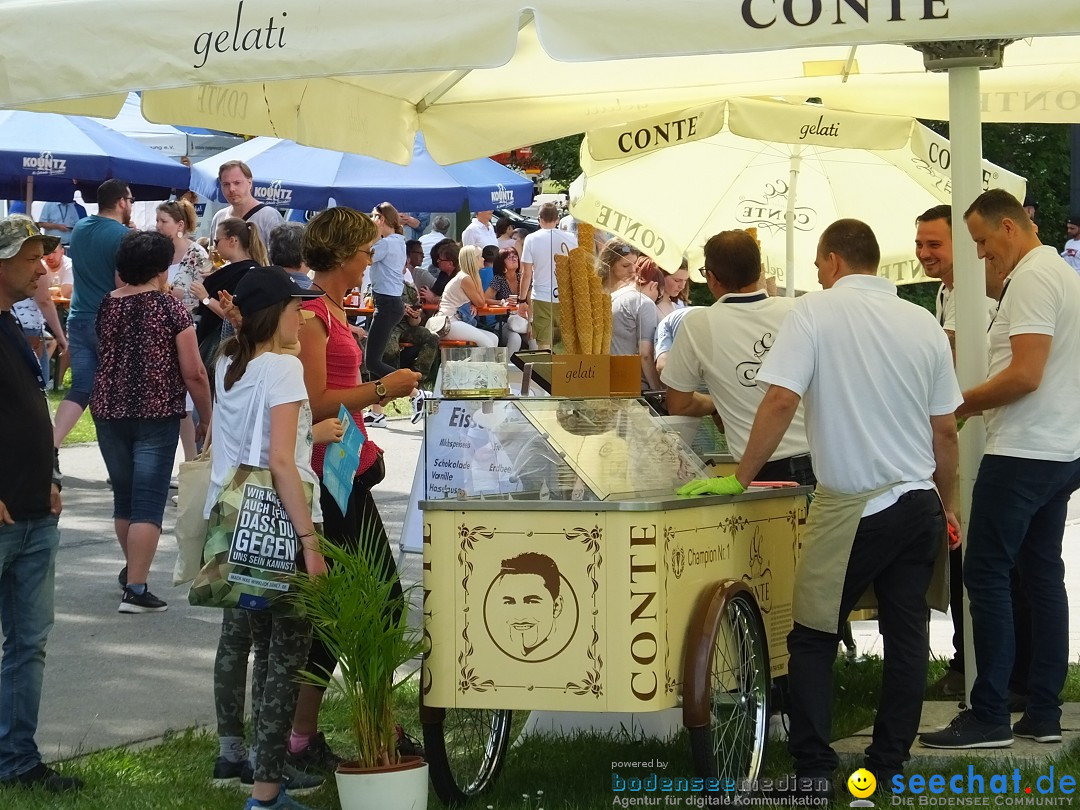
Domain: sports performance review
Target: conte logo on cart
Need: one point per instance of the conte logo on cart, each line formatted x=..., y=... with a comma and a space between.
x=502, y=197
x=44, y=163
x=273, y=194
x=530, y=609
x=760, y=577
x=678, y=561
x=769, y=213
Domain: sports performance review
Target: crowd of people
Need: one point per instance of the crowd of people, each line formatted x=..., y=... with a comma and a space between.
x=172, y=341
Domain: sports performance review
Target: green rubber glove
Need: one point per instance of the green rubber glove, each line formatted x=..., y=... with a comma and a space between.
x=728, y=485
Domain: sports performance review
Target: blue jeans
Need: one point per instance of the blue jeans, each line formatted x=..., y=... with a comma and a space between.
x=27, y=564
x=83, y=352
x=1018, y=511
x=139, y=456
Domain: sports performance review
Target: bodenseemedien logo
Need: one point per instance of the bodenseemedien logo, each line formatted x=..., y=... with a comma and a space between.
x=861, y=784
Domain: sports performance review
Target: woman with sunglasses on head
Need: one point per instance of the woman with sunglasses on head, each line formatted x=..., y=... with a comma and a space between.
x=387, y=263
x=242, y=248
x=337, y=247
x=501, y=288
x=615, y=265
x=634, y=317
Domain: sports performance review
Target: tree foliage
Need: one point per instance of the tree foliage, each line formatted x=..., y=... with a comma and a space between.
x=1039, y=152
x=560, y=158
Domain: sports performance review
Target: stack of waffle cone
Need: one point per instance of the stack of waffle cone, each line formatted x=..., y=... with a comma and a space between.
x=567, y=316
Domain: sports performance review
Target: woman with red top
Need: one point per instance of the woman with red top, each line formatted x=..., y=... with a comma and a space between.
x=149, y=360
x=337, y=248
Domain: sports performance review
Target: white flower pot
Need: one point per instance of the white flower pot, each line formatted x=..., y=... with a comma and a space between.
x=402, y=787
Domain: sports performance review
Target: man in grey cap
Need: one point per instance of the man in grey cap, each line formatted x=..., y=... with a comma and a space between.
x=29, y=512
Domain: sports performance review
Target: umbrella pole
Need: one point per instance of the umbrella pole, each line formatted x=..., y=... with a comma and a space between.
x=965, y=137
x=789, y=223
x=29, y=194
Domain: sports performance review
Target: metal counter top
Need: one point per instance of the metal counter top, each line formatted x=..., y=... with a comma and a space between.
x=653, y=503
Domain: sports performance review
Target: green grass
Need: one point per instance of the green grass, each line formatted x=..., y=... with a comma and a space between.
x=84, y=430
x=554, y=774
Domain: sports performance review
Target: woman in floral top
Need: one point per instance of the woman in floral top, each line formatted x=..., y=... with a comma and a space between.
x=176, y=219
x=190, y=263
x=148, y=360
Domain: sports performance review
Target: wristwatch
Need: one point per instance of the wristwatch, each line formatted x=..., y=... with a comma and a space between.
x=380, y=389
x=206, y=301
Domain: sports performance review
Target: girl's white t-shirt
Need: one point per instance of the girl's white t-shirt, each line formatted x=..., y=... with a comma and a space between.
x=284, y=383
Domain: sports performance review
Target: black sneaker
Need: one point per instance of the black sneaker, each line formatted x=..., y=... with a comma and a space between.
x=317, y=757
x=407, y=745
x=226, y=772
x=122, y=578
x=144, y=602
x=44, y=777
x=968, y=731
x=1041, y=731
x=293, y=781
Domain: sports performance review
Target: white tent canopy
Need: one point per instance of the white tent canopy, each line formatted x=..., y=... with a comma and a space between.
x=544, y=73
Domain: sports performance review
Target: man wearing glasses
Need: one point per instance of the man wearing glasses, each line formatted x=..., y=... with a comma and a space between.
x=94, y=242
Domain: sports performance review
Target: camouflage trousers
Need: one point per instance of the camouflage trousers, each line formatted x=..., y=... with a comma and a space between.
x=281, y=649
x=422, y=353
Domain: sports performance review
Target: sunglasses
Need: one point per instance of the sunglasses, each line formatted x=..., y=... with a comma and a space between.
x=623, y=250
x=370, y=253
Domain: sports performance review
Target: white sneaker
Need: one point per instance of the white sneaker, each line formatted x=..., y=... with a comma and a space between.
x=778, y=726
x=375, y=419
x=418, y=405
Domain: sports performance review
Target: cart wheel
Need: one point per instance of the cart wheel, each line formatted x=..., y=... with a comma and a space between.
x=465, y=749
x=726, y=685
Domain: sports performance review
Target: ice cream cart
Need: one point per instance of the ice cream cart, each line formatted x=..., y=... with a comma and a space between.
x=561, y=573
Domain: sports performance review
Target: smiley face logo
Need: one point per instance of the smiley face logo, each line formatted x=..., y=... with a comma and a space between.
x=861, y=784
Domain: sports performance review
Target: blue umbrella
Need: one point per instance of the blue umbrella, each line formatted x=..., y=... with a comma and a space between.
x=289, y=175
x=63, y=152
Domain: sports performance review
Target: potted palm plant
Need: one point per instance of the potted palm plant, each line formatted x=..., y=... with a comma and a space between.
x=354, y=611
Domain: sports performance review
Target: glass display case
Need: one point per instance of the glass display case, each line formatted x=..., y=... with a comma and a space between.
x=551, y=449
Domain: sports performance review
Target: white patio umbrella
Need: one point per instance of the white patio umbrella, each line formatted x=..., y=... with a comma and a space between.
x=668, y=184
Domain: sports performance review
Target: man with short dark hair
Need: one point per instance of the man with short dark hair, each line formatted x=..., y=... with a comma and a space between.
x=93, y=247
x=30, y=506
x=725, y=344
x=439, y=228
x=1030, y=469
x=539, y=288
x=235, y=180
x=934, y=250
x=882, y=437
x=414, y=260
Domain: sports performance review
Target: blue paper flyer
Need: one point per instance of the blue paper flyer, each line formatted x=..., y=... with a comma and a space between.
x=341, y=460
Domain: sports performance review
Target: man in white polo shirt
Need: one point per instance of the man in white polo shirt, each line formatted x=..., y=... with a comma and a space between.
x=1030, y=469
x=540, y=288
x=877, y=378
x=934, y=250
x=725, y=344
x=480, y=231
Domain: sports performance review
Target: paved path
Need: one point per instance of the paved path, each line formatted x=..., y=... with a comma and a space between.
x=114, y=679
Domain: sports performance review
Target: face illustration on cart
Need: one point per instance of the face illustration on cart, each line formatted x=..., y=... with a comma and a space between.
x=524, y=608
